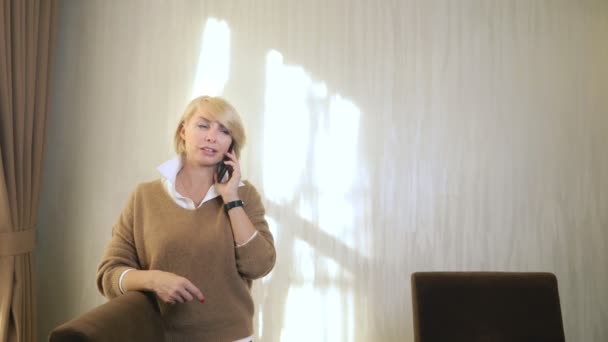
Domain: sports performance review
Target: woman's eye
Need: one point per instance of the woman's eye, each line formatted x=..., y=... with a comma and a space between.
x=202, y=126
x=226, y=132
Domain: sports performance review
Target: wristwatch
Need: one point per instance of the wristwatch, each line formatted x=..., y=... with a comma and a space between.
x=233, y=204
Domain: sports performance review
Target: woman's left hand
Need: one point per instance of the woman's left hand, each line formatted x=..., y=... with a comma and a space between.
x=229, y=190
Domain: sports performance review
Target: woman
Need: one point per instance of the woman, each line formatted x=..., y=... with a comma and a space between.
x=194, y=240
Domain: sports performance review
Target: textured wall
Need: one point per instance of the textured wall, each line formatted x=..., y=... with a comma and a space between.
x=387, y=137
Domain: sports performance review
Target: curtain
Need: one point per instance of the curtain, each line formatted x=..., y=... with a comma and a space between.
x=27, y=41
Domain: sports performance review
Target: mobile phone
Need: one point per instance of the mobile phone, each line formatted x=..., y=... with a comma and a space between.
x=222, y=168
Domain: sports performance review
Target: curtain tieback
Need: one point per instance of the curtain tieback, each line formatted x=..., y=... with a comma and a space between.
x=14, y=243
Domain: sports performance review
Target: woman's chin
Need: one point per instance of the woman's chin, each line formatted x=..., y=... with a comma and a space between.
x=203, y=161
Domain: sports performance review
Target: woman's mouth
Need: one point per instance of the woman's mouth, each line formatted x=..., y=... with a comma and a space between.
x=208, y=151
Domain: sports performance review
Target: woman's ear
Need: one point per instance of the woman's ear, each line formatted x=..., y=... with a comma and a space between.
x=182, y=130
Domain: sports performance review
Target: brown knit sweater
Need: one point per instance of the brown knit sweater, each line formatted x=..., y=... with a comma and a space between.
x=155, y=233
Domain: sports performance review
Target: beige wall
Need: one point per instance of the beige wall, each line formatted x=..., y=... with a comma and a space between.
x=387, y=137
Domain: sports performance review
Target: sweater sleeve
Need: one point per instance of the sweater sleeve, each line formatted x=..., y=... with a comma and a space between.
x=119, y=255
x=256, y=258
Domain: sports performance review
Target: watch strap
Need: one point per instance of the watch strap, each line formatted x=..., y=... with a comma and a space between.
x=233, y=204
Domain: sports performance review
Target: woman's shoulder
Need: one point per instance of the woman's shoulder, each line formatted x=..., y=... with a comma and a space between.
x=246, y=185
x=248, y=190
x=147, y=188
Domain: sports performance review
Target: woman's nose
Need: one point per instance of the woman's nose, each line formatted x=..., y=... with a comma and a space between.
x=211, y=135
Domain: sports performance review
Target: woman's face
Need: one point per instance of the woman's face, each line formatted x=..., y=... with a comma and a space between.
x=206, y=141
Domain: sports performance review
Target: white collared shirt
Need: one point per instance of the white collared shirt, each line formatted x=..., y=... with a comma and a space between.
x=168, y=171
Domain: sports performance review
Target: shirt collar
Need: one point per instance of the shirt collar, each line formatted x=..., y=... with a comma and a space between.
x=170, y=169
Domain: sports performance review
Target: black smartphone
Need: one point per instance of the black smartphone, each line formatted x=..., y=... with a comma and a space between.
x=222, y=168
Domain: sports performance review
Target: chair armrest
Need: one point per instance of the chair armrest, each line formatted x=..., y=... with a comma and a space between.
x=133, y=316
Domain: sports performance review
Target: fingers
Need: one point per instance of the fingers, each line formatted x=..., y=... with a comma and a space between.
x=175, y=299
x=232, y=183
x=185, y=295
x=231, y=155
x=194, y=291
x=231, y=163
x=178, y=296
x=180, y=290
x=235, y=166
x=233, y=160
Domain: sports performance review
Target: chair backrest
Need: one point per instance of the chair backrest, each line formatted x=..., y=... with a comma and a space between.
x=486, y=306
x=133, y=316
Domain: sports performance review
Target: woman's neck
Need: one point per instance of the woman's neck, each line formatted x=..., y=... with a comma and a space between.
x=196, y=177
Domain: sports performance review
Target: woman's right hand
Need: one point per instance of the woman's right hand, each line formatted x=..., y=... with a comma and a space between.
x=171, y=288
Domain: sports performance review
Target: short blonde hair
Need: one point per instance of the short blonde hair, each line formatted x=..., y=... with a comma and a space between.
x=212, y=109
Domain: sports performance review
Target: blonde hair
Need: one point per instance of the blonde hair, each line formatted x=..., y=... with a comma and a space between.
x=212, y=109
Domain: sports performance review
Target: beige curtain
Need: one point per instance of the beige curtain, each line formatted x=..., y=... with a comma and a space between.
x=27, y=41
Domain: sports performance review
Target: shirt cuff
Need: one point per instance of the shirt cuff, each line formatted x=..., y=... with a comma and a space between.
x=246, y=242
x=120, y=279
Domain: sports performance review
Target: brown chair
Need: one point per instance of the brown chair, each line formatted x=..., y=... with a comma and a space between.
x=133, y=316
x=486, y=306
